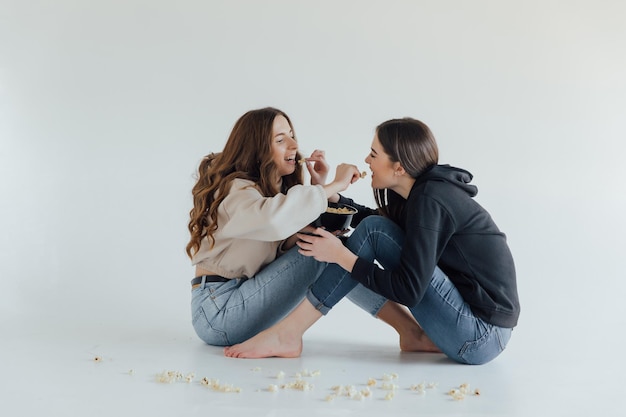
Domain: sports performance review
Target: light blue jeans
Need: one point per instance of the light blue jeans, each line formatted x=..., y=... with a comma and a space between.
x=443, y=314
x=225, y=313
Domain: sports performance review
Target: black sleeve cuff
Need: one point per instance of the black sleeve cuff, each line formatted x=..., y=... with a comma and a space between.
x=361, y=270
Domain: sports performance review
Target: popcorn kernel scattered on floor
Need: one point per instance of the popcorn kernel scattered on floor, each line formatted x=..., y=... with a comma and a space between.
x=299, y=384
x=459, y=393
x=419, y=388
x=168, y=377
x=387, y=385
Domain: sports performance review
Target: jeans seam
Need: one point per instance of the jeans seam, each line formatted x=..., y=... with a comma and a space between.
x=362, y=242
x=277, y=274
x=378, y=232
x=455, y=308
x=346, y=275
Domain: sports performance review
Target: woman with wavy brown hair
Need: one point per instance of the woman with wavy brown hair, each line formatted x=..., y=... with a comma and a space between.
x=248, y=204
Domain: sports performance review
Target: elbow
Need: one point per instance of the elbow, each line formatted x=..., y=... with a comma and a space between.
x=274, y=229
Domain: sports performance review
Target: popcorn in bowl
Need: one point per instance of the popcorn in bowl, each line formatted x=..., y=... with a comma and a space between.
x=337, y=217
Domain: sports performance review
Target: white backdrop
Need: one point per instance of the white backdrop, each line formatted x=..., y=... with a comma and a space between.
x=106, y=107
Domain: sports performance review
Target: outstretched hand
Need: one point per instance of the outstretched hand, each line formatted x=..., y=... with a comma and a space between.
x=347, y=174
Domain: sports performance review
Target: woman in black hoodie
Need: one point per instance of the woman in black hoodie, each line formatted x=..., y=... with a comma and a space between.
x=443, y=256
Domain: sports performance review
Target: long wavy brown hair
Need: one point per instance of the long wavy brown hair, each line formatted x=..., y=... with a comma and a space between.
x=411, y=143
x=246, y=155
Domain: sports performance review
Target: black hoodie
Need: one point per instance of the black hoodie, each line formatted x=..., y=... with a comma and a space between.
x=446, y=227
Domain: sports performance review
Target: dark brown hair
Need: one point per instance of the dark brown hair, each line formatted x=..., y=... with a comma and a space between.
x=246, y=155
x=412, y=144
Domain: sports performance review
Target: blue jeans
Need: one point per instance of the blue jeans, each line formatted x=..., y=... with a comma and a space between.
x=225, y=313
x=443, y=314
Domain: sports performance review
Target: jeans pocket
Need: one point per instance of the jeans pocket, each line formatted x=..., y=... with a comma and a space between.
x=484, y=349
x=220, y=293
x=205, y=331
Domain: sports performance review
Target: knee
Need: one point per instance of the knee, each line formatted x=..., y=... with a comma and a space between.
x=373, y=222
x=371, y=229
x=368, y=226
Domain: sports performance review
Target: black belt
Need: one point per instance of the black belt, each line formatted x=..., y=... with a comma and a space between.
x=208, y=278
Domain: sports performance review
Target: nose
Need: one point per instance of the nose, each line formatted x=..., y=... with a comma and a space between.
x=293, y=144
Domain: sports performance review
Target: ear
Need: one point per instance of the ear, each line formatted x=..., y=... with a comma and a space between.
x=398, y=170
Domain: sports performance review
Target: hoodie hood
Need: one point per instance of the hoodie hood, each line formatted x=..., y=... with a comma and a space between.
x=452, y=175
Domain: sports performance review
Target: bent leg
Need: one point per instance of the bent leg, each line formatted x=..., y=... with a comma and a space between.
x=227, y=313
x=329, y=288
x=380, y=239
x=450, y=323
x=376, y=238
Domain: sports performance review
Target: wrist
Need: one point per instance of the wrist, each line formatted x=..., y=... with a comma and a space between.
x=334, y=198
x=332, y=189
x=347, y=260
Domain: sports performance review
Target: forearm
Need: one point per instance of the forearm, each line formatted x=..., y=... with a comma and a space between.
x=332, y=191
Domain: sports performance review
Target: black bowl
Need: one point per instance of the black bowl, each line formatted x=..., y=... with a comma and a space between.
x=333, y=221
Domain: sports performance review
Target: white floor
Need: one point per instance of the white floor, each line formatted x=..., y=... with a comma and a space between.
x=50, y=369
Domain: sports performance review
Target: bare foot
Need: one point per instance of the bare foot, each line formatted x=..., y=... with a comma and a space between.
x=267, y=344
x=415, y=340
x=412, y=336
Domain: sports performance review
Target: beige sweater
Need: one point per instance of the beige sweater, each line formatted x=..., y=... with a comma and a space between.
x=251, y=227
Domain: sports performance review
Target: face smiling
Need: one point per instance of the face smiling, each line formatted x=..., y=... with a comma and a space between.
x=386, y=173
x=284, y=146
x=381, y=166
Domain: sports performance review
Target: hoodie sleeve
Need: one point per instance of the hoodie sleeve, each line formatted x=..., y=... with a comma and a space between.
x=428, y=229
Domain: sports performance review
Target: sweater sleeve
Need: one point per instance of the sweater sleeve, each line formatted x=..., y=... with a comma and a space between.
x=426, y=235
x=249, y=215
